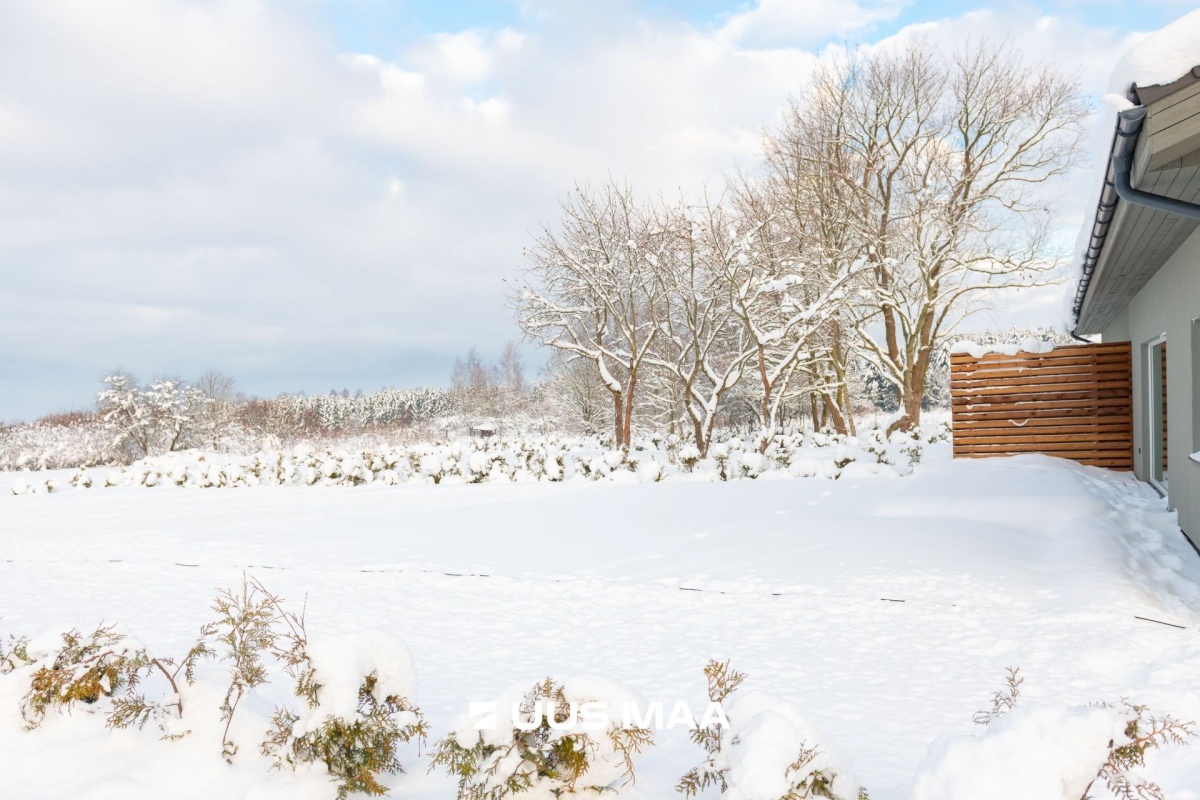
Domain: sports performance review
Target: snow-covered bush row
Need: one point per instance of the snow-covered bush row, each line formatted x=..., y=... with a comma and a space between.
x=348, y=709
x=45, y=445
x=551, y=458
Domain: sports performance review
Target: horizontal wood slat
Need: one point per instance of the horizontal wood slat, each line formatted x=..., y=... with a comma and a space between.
x=990, y=362
x=1075, y=402
x=1019, y=376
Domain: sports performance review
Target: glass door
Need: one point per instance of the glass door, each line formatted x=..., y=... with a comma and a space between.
x=1156, y=407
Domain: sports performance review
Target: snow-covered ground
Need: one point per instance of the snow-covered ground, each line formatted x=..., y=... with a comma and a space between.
x=887, y=610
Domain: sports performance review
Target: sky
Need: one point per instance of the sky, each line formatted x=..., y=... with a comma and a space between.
x=324, y=194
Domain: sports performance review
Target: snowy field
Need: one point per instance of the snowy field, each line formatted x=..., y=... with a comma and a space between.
x=887, y=610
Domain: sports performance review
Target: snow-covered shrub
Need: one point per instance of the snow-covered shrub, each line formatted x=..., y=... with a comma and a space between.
x=548, y=746
x=943, y=432
x=909, y=445
x=753, y=465
x=803, y=467
x=1142, y=732
x=135, y=709
x=650, y=471
x=244, y=632
x=14, y=654
x=723, y=680
x=876, y=443
x=719, y=455
x=1004, y=700
x=431, y=466
x=1062, y=752
x=768, y=751
x=355, y=704
x=354, y=691
x=72, y=667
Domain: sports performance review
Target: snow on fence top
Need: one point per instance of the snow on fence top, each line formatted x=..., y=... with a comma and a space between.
x=976, y=350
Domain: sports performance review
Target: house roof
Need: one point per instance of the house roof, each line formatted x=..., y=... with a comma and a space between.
x=1155, y=87
x=1130, y=241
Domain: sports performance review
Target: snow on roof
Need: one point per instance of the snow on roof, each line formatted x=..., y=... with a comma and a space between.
x=1159, y=58
x=1162, y=57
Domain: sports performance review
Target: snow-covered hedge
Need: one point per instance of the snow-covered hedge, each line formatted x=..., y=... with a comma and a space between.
x=43, y=445
x=460, y=461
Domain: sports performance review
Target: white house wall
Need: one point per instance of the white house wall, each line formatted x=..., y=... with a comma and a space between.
x=1168, y=304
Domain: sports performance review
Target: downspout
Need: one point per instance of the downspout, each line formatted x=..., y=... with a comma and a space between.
x=1117, y=184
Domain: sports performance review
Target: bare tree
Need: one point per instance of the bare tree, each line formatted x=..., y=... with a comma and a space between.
x=940, y=163
x=738, y=304
x=590, y=290
x=511, y=380
x=474, y=386
x=219, y=417
x=702, y=344
x=787, y=312
x=574, y=392
x=804, y=186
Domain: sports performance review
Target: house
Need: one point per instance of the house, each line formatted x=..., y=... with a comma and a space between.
x=484, y=430
x=1139, y=259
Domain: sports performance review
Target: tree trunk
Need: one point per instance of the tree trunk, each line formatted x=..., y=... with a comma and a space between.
x=765, y=417
x=618, y=418
x=627, y=421
x=918, y=375
x=845, y=417
x=910, y=397
x=834, y=413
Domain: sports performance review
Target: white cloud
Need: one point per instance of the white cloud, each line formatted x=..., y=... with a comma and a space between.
x=467, y=57
x=777, y=23
x=185, y=185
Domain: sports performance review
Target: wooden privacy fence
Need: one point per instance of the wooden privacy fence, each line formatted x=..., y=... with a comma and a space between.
x=1074, y=402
